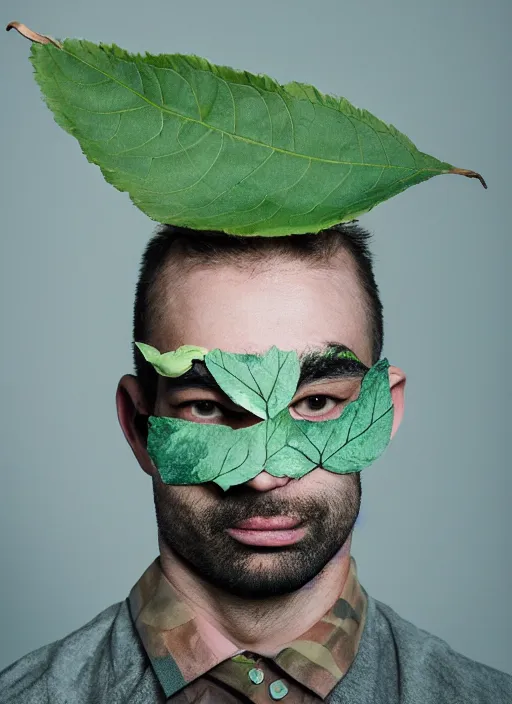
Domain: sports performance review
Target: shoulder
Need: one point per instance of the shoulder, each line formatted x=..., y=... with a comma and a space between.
x=427, y=664
x=100, y=659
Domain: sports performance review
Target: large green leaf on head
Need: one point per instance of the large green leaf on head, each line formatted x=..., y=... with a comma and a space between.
x=211, y=148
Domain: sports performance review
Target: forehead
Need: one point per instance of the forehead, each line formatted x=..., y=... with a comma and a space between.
x=248, y=309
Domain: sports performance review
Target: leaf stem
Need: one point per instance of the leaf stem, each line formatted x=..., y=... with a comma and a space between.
x=468, y=174
x=33, y=36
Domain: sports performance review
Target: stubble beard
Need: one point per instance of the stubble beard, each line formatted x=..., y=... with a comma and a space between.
x=197, y=534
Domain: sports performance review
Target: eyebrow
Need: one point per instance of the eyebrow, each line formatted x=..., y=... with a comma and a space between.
x=314, y=365
x=328, y=364
x=198, y=377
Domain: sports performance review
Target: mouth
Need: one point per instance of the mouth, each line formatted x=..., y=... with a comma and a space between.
x=268, y=532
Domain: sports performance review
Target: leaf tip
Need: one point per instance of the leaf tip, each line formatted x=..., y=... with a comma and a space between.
x=468, y=174
x=33, y=36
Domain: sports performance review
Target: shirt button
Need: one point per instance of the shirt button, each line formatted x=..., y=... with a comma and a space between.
x=278, y=689
x=256, y=675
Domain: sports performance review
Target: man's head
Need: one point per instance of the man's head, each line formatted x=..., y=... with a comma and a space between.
x=174, y=251
x=244, y=295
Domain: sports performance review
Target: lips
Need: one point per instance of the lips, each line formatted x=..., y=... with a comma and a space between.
x=277, y=531
x=273, y=523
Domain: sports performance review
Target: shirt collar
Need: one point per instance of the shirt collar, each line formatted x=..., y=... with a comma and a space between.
x=170, y=634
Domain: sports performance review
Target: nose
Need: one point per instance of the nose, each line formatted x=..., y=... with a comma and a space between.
x=265, y=481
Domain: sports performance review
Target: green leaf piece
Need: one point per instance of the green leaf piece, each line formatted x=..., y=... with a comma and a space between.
x=188, y=453
x=348, y=443
x=150, y=353
x=243, y=659
x=192, y=453
x=289, y=453
x=262, y=384
x=173, y=363
x=347, y=354
x=209, y=147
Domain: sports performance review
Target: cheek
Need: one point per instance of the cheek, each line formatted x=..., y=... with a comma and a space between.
x=184, y=502
x=322, y=482
x=336, y=482
x=345, y=487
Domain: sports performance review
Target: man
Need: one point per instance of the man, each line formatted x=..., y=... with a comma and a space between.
x=255, y=596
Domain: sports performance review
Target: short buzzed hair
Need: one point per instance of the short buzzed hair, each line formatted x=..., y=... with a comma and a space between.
x=189, y=248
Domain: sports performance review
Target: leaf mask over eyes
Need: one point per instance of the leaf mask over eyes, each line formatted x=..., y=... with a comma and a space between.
x=186, y=452
x=211, y=148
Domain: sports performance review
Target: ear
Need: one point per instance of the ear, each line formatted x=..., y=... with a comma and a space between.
x=397, y=381
x=131, y=405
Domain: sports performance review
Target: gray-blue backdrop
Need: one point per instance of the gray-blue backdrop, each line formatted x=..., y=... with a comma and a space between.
x=76, y=515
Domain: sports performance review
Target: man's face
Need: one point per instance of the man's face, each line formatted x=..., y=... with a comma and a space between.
x=294, y=307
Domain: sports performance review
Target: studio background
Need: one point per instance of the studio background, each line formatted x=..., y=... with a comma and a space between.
x=433, y=540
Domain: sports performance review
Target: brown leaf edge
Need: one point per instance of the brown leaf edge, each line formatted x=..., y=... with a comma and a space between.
x=33, y=36
x=468, y=174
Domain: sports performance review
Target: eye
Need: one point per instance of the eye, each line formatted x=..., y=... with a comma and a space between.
x=316, y=406
x=207, y=411
x=203, y=409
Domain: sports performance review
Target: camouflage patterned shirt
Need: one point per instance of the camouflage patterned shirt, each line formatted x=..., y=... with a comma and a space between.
x=112, y=660
x=305, y=671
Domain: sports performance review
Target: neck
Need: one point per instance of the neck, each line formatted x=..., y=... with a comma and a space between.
x=230, y=623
